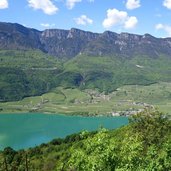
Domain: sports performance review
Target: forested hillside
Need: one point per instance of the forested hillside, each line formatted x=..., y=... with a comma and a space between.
x=26, y=73
x=31, y=73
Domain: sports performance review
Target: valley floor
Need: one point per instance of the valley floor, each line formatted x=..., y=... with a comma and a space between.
x=126, y=100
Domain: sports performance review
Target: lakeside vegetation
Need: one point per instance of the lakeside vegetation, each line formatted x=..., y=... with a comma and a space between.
x=142, y=145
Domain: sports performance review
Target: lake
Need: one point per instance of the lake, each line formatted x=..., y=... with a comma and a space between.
x=28, y=130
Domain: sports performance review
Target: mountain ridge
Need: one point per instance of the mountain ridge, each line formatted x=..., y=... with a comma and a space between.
x=70, y=43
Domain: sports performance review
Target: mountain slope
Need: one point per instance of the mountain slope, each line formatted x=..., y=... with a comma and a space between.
x=127, y=45
x=66, y=44
x=18, y=37
x=81, y=59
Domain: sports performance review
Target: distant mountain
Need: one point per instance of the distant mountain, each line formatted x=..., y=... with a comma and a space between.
x=66, y=43
x=18, y=37
x=128, y=45
x=69, y=43
x=59, y=43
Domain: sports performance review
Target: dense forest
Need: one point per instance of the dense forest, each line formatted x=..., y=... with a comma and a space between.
x=144, y=144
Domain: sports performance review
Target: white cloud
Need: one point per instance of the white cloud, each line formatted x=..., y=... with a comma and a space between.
x=167, y=4
x=71, y=3
x=3, y=4
x=166, y=28
x=83, y=20
x=46, y=5
x=131, y=22
x=159, y=26
x=116, y=17
x=47, y=25
x=132, y=4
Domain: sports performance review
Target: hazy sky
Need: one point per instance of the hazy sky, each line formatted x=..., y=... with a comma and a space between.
x=134, y=16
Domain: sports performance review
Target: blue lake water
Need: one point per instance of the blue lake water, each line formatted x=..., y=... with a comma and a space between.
x=28, y=130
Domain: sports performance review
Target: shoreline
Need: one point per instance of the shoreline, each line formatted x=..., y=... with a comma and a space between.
x=64, y=114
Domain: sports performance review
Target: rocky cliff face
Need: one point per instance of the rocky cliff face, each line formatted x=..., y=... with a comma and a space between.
x=66, y=43
x=128, y=45
x=69, y=43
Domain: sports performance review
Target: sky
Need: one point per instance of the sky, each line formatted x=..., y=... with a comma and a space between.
x=133, y=16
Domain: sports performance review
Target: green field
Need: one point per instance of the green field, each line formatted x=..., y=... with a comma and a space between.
x=93, y=102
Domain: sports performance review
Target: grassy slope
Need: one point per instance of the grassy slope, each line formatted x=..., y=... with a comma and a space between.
x=91, y=102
